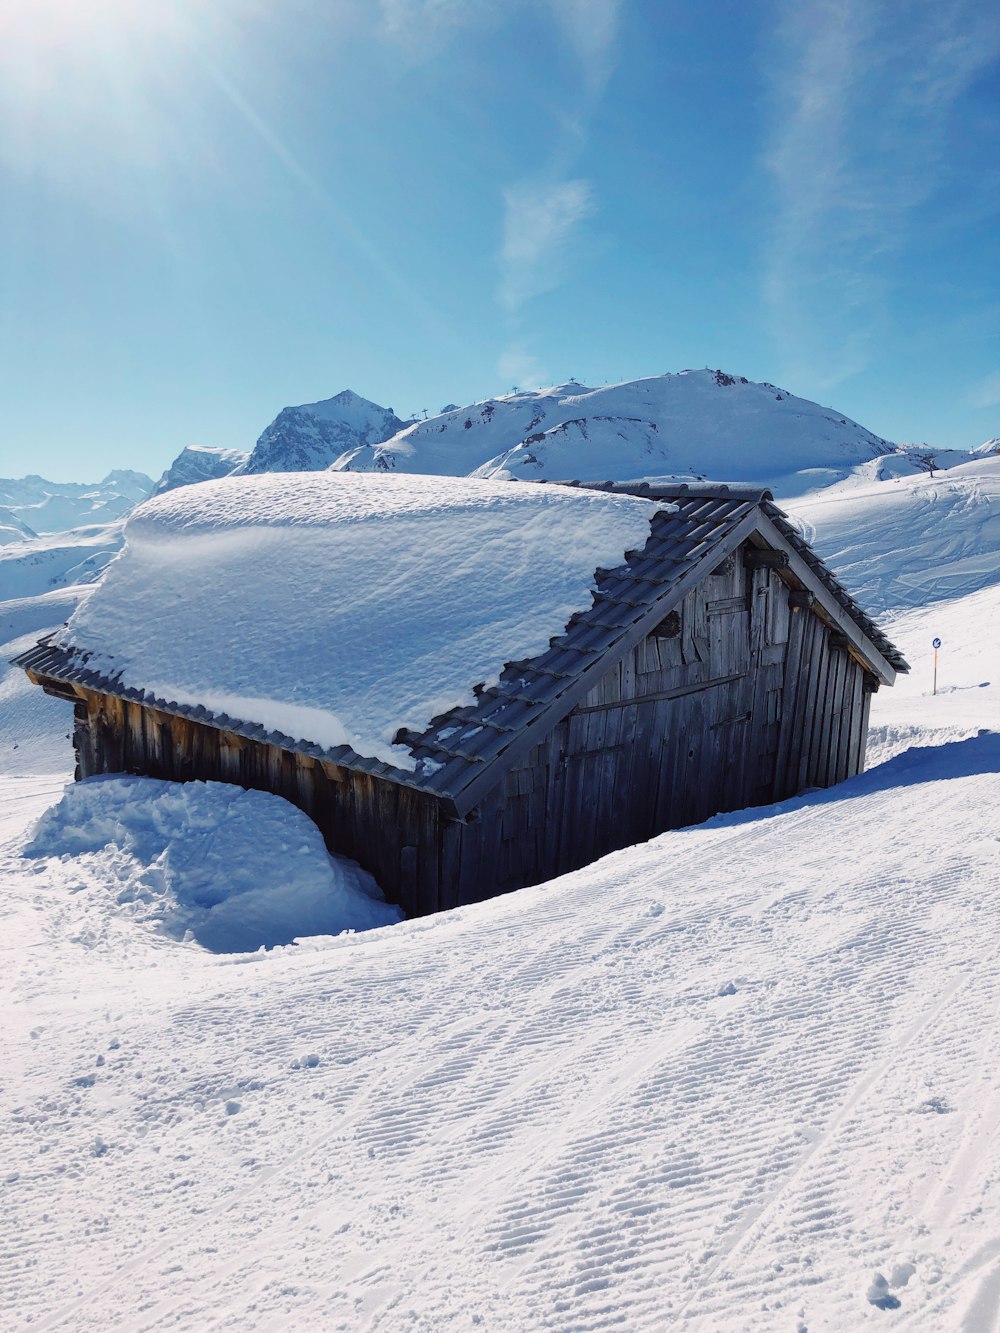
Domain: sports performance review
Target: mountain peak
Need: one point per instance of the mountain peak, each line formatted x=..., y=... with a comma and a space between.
x=199, y=462
x=311, y=436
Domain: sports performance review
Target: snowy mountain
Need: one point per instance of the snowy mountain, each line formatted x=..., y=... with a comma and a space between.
x=12, y=529
x=311, y=436
x=990, y=447
x=58, y=560
x=55, y=506
x=695, y=424
x=199, y=462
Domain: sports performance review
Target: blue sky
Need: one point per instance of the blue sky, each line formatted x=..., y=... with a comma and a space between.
x=214, y=208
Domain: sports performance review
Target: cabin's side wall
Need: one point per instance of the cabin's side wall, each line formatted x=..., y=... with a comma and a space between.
x=824, y=719
x=738, y=700
x=393, y=831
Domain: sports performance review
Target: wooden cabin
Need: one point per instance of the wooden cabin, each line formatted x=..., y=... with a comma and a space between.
x=721, y=666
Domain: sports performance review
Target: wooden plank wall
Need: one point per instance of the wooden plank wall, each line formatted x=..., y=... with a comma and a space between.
x=746, y=703
x=392, y=831
x=652, y=746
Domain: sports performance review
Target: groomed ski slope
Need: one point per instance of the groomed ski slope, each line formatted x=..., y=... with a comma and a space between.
x=744, y=1077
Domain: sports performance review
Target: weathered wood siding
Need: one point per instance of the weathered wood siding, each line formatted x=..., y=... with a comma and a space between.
x=735, y=700
x=738, y=700
x=392, y=831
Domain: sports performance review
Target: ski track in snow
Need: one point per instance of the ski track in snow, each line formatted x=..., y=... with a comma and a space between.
x=540, y=1112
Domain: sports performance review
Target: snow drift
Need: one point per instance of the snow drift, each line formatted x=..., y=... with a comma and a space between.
x=337, y=608
x=234, y=870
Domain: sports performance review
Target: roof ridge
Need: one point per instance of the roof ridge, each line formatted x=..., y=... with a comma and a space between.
x=654, y=490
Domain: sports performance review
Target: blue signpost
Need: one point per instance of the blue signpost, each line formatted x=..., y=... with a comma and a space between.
x=936, y=644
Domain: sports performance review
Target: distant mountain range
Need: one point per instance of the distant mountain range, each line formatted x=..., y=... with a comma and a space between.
x=54, y=506
x=693, y=425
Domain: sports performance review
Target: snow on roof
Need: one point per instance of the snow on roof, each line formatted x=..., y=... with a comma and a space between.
x=339, y=607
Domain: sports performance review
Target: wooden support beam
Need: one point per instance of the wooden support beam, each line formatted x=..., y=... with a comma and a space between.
x=761, y=557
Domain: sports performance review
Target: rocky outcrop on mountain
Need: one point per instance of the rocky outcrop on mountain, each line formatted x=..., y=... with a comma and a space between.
x=690, y=425
x=199, y=462
x=310, y=437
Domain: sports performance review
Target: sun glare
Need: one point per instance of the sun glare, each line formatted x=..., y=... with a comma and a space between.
x=47, y=25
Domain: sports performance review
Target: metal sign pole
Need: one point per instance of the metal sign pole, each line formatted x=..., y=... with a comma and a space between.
x=936, y=645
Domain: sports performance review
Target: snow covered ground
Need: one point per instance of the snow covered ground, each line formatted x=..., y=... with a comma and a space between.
x=909, y=541
x=744, y=1077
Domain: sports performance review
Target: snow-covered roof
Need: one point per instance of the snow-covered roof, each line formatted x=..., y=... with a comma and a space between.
x=273, y=617
x=337, y=608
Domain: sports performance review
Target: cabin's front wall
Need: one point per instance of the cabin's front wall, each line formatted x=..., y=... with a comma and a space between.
x=738, y=700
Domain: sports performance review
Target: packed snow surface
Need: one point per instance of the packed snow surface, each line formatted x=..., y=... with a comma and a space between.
x=233, y=870
x=912, y=540
x=35, y=729
x=337, y=608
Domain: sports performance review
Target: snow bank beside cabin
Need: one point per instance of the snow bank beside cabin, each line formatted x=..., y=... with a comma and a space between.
x=338, y=607
x=234, y=870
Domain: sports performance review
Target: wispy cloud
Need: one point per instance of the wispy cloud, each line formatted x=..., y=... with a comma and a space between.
x=421, y=27
x=539, y=218
x=539, y=222
x=591, y=27
x=986, y=393
x=517, y=366
x=862, y=98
